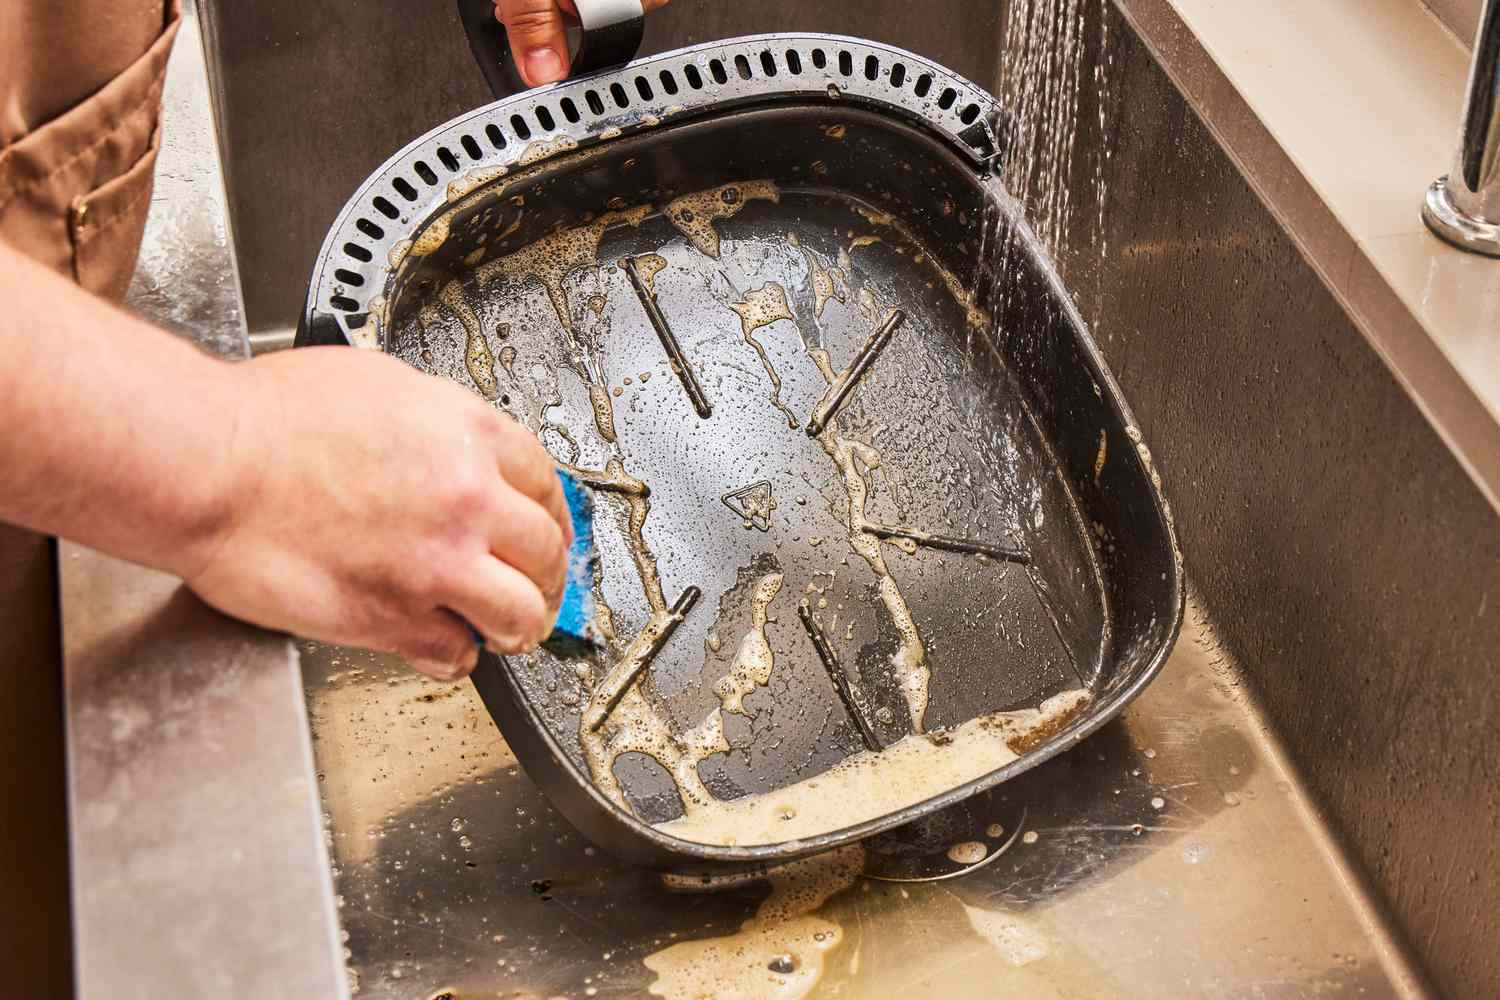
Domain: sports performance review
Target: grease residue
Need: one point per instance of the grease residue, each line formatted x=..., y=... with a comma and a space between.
x=397, y=253
x=823, y=285
x=434, y=236
x=762, y=307
x=550, y=260
x=867, y=785
x=477, y=356
x=648, y=266
x=854, y=460
x=754, y=660
x=473, y=179
x=543, y=148
x=694, y=215
x=779, y=952
x=367, y=335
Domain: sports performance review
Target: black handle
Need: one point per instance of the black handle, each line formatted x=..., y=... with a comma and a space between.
x=612, y=31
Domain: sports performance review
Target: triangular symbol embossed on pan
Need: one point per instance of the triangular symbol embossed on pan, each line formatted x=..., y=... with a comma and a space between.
x=753, y=504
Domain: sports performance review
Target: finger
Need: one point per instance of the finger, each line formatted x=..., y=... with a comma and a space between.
x=439, y=645
x=528, y=538
x=527, y=467
x=505, y=605
x=537, y=37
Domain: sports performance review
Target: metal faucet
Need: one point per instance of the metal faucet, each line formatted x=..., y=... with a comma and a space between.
x=1463, y=207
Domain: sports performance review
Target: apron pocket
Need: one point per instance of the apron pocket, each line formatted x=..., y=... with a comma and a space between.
x=106, y=225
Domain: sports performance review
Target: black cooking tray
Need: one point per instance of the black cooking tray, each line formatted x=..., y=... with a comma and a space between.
x=857, y=179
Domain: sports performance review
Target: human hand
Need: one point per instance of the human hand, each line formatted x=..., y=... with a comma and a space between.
x=367, y=504
x=536, y=29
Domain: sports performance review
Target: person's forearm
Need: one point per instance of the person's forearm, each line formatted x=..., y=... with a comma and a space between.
x=112, y=432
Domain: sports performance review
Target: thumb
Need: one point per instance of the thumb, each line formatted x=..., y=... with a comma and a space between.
x=537, y=37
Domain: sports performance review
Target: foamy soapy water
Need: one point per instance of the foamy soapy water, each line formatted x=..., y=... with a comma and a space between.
x=869, y=785
x=779, y=952
x=618, y=717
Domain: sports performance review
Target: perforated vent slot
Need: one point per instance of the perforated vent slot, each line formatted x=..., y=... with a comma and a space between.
x=743, y=69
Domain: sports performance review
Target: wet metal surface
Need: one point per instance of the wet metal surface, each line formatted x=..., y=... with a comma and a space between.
x=837, y=676
x=680, y=364
x=1171, y=854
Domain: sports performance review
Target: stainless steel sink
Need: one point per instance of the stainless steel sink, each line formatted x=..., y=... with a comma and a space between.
x=1303, y=803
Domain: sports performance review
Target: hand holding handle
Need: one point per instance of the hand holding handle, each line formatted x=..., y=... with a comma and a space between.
x=611, y=35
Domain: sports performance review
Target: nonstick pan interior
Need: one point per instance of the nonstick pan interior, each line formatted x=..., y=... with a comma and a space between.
x=1010, y=550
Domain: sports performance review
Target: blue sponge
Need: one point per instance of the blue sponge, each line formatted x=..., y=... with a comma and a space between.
x=573, y=634
x=574, y=631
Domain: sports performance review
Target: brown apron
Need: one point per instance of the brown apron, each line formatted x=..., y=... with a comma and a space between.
x=80, y=95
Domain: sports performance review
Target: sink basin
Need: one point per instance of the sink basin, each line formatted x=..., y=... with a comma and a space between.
x=1260, y=822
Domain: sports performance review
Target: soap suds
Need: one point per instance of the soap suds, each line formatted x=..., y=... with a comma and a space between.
x=779, y=952
x=867, y=785
x=478, y=358
x=694, y=215
x=762, y=307
x=754, y=660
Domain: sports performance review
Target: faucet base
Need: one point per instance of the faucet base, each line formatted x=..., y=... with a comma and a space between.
x=1452, y=224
